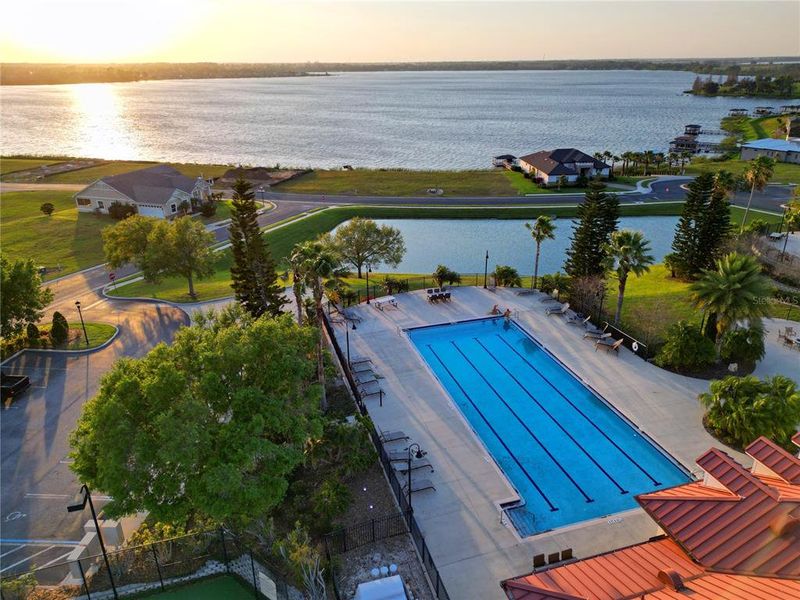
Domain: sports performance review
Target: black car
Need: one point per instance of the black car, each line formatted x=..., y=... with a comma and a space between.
x=13, y=385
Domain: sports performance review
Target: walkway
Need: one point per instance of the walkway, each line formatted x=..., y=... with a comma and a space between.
x=460, y=519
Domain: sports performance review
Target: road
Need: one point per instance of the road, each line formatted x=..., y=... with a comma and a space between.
x=34, y=467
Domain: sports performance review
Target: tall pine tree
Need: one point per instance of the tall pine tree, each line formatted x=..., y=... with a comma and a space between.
x=254, y=280
x=703, y=228
x=597, y=218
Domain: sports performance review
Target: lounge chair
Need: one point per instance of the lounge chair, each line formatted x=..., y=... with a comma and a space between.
x=561, y=310
x=419, y=485
x=608, y=344
x=392, y=436
x=551, y=297
x=401, y=456
x=351, y=316
x=370, y=388
x=361, y=367
x=402, y=467
x=574, y=319
x=357, y=360
x=366, y=376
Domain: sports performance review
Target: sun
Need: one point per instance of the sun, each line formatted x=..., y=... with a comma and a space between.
x=97, y=30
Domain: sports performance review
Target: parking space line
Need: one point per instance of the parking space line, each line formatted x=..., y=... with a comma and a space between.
x=40, y=542
x=55, y=560
x=10, y=551
x=49, y=496
x=26, y=559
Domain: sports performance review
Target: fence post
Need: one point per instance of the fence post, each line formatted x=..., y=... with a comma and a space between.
x=373, y=530
x=224, y=550
x=253, y=567
x=158, y=566
x=83, y=577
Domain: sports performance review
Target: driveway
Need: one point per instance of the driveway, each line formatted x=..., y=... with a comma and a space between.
x=34, y=432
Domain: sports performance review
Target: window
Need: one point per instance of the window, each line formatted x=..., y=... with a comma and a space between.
x=173, y=208
x=84, y=201
x=100, y=204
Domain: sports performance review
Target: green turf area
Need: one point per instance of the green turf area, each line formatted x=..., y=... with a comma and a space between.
x=91, y=174
x=223, y=212
x=67, y=237
x=99, y=334
x=784, y=172
x=9, y=165
x=366, y=182
x=216, y=588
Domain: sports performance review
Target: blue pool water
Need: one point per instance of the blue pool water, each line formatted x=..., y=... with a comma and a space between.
x=569, y=455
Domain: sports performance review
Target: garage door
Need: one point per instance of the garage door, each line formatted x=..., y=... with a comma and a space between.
x=150, y=211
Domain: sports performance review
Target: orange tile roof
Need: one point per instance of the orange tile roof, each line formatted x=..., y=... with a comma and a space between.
x=751, y=527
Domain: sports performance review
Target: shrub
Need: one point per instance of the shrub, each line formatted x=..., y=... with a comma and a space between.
x=556, y=281
x=739, y=409
x=757, y=227
x=47, y=208
x=685, y=349
x=32, y=333
x=392, y=285
x=582, y=181
x=120, y=210
x=59, y=331
x=444, y=275
x=208, y=209
x=18, y=588
x=329, y=501
x=185, y=206
x=743, y=345
x=506, y=276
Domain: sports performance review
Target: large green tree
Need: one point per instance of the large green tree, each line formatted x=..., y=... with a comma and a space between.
x=22, y=297
x=736, y=290
x=362, y=241
x=253, y=277
x=627, y=252
x=757, y=175
x=211, y=426
x=597, y=217
x=542, y=229
x=161, y=248
x=703, y=227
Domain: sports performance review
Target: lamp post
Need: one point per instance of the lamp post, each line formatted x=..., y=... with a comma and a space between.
x=786, y=240
x=486, y=269
x=369, y=270
x=79, y=505
x=347, y=340
x=80, y=314
x=418, y=454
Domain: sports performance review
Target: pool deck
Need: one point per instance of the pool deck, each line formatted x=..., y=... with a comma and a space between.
x=460, y=519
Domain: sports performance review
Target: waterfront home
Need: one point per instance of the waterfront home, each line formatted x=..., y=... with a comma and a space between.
x=548, y=166
x=735, y=534
x=787, y=151
x=157, y=191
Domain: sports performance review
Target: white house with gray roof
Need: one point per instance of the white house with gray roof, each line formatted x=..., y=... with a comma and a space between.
x=155, y=192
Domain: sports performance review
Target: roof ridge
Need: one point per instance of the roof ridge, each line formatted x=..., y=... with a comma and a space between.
x=716, y=471
x=524, y=585
x=784, y=465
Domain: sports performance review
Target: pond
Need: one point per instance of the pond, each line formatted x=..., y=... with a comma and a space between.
x=461, y=244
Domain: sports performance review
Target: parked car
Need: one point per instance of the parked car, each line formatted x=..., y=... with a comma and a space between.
x=13, y=385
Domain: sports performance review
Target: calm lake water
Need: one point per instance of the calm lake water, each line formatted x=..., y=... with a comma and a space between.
x=419, y=120
x=461, y=244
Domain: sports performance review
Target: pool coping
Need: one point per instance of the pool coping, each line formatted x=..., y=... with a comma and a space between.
x=519, y=499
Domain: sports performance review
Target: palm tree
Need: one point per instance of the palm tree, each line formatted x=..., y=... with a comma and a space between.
x=725, y=181
x=628, y=252
x=686, y=156
x=648, y=156
x=296, y=261
x=736, y=290
x=757, y=175
x=541, y=230
x=614, y=160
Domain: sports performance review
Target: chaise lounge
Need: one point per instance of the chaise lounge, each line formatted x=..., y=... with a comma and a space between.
x=419, y=485
x=561, y=310
x=608, y=344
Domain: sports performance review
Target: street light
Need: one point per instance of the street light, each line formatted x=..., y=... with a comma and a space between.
x=80, y=314
x=369, y=270
x=79, y=505
x=486, y=269
x=418, y=454
x=347, y=339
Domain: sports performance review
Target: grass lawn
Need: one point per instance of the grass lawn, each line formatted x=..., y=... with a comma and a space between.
x=67, y=237
x=367, y=182
x=99, y=334
x=91, y=174
x=784, y=172
x=207, y=589
x=223, y=212
x=9, y=165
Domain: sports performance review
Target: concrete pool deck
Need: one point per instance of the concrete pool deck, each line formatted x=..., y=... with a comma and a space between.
x=472, y=549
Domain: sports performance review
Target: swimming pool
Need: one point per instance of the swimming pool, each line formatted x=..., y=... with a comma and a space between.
x=569, y=455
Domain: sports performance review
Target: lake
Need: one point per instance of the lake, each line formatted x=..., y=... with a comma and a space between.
x=461, y=244
x=415, y=120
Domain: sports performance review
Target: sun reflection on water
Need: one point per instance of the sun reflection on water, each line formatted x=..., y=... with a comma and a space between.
x=102, y=129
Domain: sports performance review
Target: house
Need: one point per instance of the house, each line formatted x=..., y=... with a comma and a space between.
x=155, y=191
x=548, y=166
x=787, y=151
x=735, y=534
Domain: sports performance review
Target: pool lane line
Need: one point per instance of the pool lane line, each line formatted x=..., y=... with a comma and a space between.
x=494, y=431
x=521, y=422
x=552, y=418
x=583, y=414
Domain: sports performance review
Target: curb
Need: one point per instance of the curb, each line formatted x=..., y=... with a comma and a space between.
x=75, y=352
x=182, y=306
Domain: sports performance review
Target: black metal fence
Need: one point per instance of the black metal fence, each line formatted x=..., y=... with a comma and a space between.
x=397, y=488
x=367, y=532
x=151, y=568
x=378, y=286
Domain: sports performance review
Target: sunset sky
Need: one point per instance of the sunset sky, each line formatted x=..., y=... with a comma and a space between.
x=371, y=31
